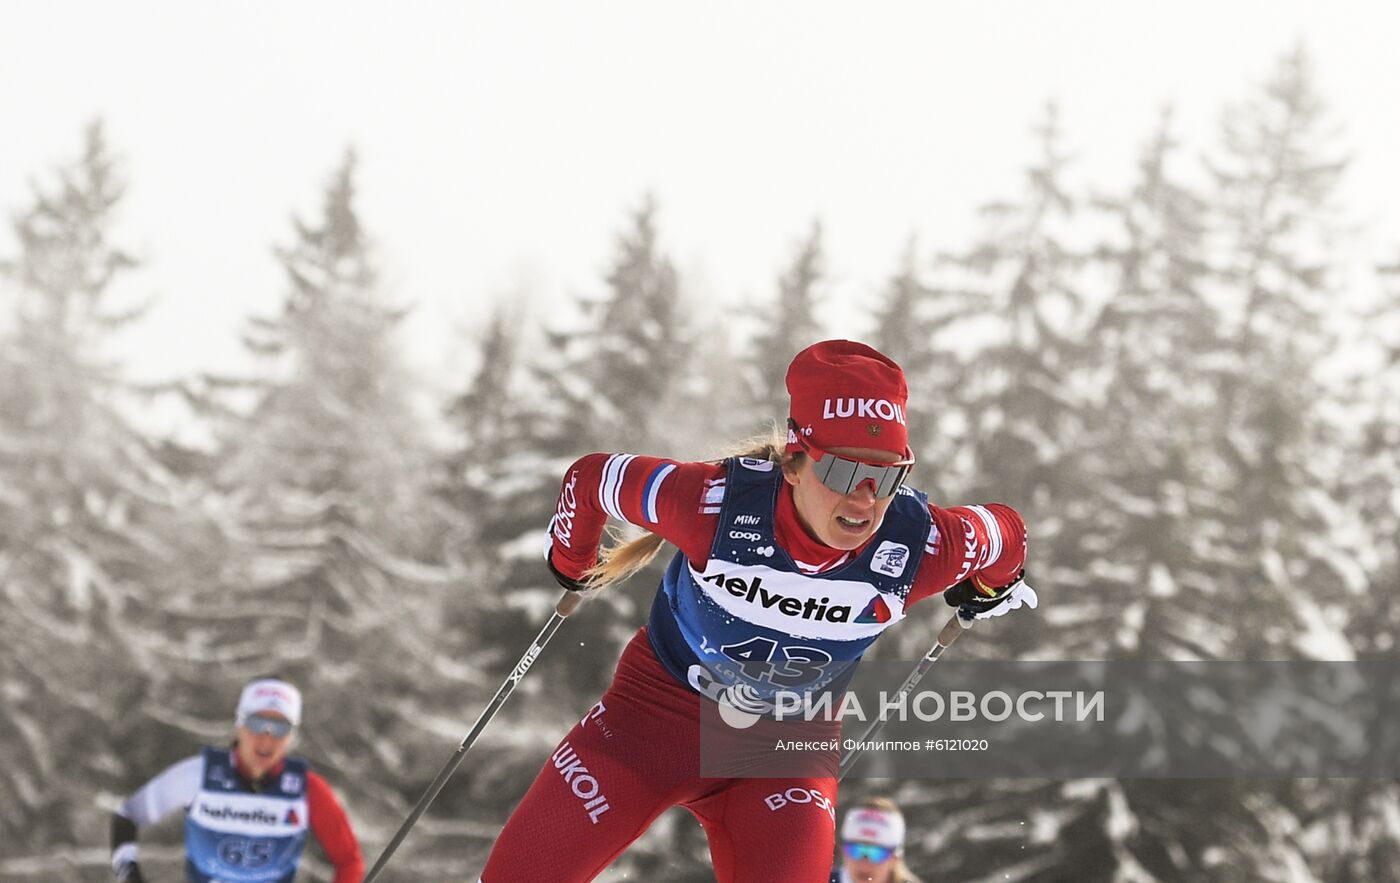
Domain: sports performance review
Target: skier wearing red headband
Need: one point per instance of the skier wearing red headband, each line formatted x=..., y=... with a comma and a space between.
x=798, y=553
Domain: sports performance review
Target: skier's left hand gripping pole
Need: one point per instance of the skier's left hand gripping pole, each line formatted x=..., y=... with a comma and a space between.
x=567, y=604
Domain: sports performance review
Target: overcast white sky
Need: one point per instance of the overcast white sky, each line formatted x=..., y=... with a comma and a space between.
x=502, y=143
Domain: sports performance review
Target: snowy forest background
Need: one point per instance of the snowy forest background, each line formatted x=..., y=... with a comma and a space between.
x=1196, y=408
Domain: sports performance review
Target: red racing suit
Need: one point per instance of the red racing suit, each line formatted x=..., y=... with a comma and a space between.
x=635, y=752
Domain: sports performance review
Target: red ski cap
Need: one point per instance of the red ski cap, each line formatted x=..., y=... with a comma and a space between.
x=847, y=394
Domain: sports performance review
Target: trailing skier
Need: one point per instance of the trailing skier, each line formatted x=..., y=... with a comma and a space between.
x=248, y=808
x=872, y=844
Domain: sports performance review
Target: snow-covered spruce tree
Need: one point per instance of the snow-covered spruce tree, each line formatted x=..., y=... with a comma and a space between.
x=619, y=378
x=492, y=478
x=1353, y=825
x=916, y=324
x=481, y=416
x=492, y=444
x=1190, y=530
x=1274, y=229
x=1146, y=470
x=1148, y=473
x=619, y=374
x=1012, y=307
x=789, y=324
x=921, y=327
x=1149, y=483
x=1152, y=460
x=1370, y=486
x=1022, y=333
x=332, y=573
x=1222, y=534
x=93, y=527
x=1250, y=576
x=614, y=375
x=1026, y=293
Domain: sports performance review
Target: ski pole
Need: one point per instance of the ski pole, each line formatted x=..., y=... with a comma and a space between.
x=957, y=624
x=567, y=604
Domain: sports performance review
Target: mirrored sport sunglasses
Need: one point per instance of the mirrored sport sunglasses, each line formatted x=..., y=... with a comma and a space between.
x=259, y=725
x=844, y=474
x=868, y=852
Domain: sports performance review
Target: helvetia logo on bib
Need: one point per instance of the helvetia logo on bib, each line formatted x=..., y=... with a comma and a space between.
x=755, y=593
x=875, y=612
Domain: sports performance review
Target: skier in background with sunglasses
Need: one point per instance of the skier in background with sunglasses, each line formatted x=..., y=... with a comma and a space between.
x=872, y=844
x=247, y=807
x=796, y=553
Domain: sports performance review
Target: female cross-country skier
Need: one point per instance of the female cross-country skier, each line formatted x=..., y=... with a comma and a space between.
x=872, y=844
x=249, y=807
x=798, y=555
